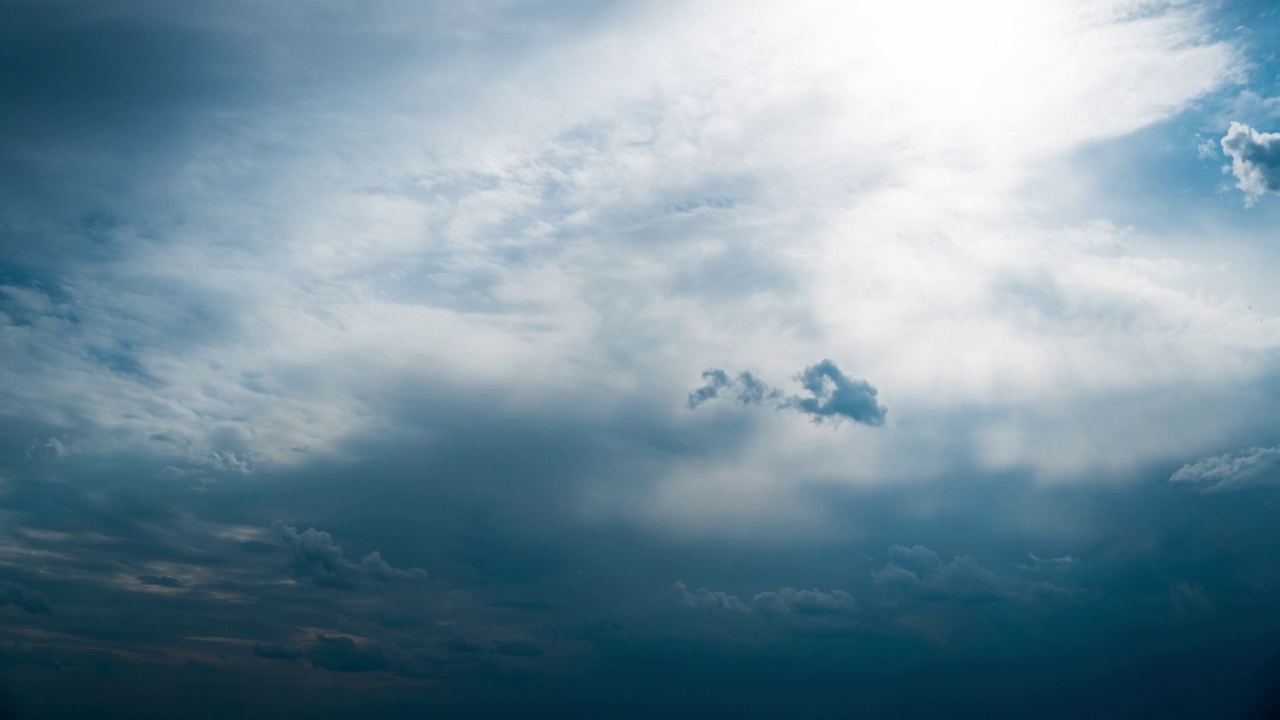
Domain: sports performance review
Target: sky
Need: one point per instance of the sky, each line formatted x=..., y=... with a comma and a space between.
x=514, y=358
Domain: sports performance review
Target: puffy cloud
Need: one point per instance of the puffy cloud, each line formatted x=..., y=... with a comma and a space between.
x=1255, y=467
x=921, y=570
x=832, y=394
x=15, y=593
x=376, y=567
x=835, y=395
x=803, y=602
x=314, y=554
x=1255, y=160
x=703, y=598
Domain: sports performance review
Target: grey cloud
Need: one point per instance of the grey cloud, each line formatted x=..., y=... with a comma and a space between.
x=1255, y=159
x=314, y=554
x=53, y=447
x=783, y=602
x=832, y=394
x=921, y=570
x=376, y=567
x=160, y=581
x=703, y=598
x=837, y=395
x=803, y=602
x=276, y=652
x=342, y=654
x=15, y=593
x=1255, y=467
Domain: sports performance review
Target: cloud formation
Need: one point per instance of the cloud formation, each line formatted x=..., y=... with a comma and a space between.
x=921, y=570
x=1255, y=467
x=786, y=601
x=832, y=394
x=314, y=554
x=15, y=593
x=1255, y=160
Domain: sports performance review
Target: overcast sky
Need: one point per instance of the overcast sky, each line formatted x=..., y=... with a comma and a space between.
x=639, y=359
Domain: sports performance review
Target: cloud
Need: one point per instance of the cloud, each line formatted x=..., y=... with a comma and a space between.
x=315, y=555
x=1255, y=467
x=160, y=581
x=53, y=447
x=786, y=601
x=803, y=602
x=342, y=654
x=1255, y=160
x=705, y=599
x=832, y=394
x=276, y=652
x=15, y=593
x=376, y=567
x=921, y=570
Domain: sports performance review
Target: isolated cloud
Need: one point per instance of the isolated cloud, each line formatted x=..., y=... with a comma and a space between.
x=342, y=654
x=786, y=601
x=15, y=593
x=1255, y=159
x=921, y=570
x=314, y=554
x=703, y=598
x=276, y=652
x=832, y=394
x=803, y=602
x=1255, y=467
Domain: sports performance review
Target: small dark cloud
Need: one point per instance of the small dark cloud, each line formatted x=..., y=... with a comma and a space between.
x=1255, y=160
x=831, y=394
x=160, y=580
x=276, y=652
x=462, y=645
x=15, y=593
x=314, y=554
x=1255, y=467
x=517, y=648
x=342, y=654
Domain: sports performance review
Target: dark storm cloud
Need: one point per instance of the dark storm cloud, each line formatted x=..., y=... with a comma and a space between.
x=315, y=555
x=832, y=394
x=1255, y=159
x=15, y=593
x=1255, y=467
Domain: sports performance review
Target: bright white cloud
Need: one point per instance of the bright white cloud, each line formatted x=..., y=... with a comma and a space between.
x=666, y=190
